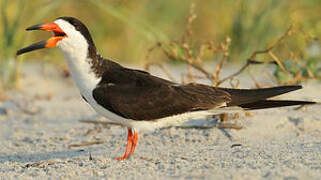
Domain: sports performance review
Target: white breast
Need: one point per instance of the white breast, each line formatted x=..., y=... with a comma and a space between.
x=86, y=82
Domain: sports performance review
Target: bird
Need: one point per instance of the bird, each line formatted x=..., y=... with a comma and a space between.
x=138, y=100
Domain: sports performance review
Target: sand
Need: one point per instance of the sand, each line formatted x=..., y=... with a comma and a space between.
x=39, y=122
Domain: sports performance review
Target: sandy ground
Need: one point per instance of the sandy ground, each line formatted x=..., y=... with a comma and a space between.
x=38, y=123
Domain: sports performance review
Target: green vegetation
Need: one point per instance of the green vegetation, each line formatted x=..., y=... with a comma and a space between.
x=124, y=30
x=14, y=14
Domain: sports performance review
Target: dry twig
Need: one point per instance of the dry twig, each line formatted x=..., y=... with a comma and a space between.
x=162, y=67
x=101, y=122
x=36, y=164
x=196, y=61
x=85, y=144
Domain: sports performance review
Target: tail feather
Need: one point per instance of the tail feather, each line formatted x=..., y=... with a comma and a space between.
x=248, y=96
x=263, y=104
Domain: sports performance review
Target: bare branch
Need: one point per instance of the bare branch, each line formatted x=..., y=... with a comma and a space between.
x=100, y=122
x=85, y=144
x=162, y=67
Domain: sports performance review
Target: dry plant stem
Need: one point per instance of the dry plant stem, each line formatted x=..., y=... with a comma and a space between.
x=298, y=108
x=226, y=125
x=234, y=83
x=100, y=122
x=85, y=144
x=297, y=78
x=224, y=47
x=224, y=117
x=195, y=65
x=248, y=63
x=36, y=164
x=218, y=70
x=247, y=113
x=195, y=76
x=252, y=58
x=235, y=74
x=195, y=62
x=235, y=145
x=202, y=70
x=190, y=74
x=276, y=59
x=286, y=34
x=162, y=67
x=192, y=16
x=92, y=131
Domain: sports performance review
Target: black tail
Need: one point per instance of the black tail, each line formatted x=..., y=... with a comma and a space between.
x=256, y=98
x=263, y=104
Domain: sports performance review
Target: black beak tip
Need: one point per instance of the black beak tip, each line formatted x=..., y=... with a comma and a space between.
x=35, y=46
x=20, y=51
x=34, y=27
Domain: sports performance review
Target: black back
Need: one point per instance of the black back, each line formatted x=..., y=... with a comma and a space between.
x=137, y=95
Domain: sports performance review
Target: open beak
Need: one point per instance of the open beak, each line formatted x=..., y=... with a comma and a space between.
x=59, y=34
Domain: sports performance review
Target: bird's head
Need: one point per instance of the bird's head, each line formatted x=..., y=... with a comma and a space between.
x=69, y=34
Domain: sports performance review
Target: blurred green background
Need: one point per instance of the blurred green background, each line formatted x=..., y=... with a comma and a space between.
x=124, y=30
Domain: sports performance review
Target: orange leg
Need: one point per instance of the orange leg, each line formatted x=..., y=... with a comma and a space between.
x=135, y=139
x=129, y=143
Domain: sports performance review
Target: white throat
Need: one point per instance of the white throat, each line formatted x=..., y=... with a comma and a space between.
x=75, y=50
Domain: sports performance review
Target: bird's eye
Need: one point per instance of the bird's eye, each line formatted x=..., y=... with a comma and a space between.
x=76, y=27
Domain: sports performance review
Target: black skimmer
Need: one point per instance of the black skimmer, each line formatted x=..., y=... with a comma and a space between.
x=137, y=99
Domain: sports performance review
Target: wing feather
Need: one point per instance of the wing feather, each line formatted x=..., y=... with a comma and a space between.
x=141, y=96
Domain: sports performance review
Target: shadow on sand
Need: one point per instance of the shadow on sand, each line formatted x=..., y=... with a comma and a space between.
x=45, y=156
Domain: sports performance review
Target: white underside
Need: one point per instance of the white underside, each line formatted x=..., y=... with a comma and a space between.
x=163, y=122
